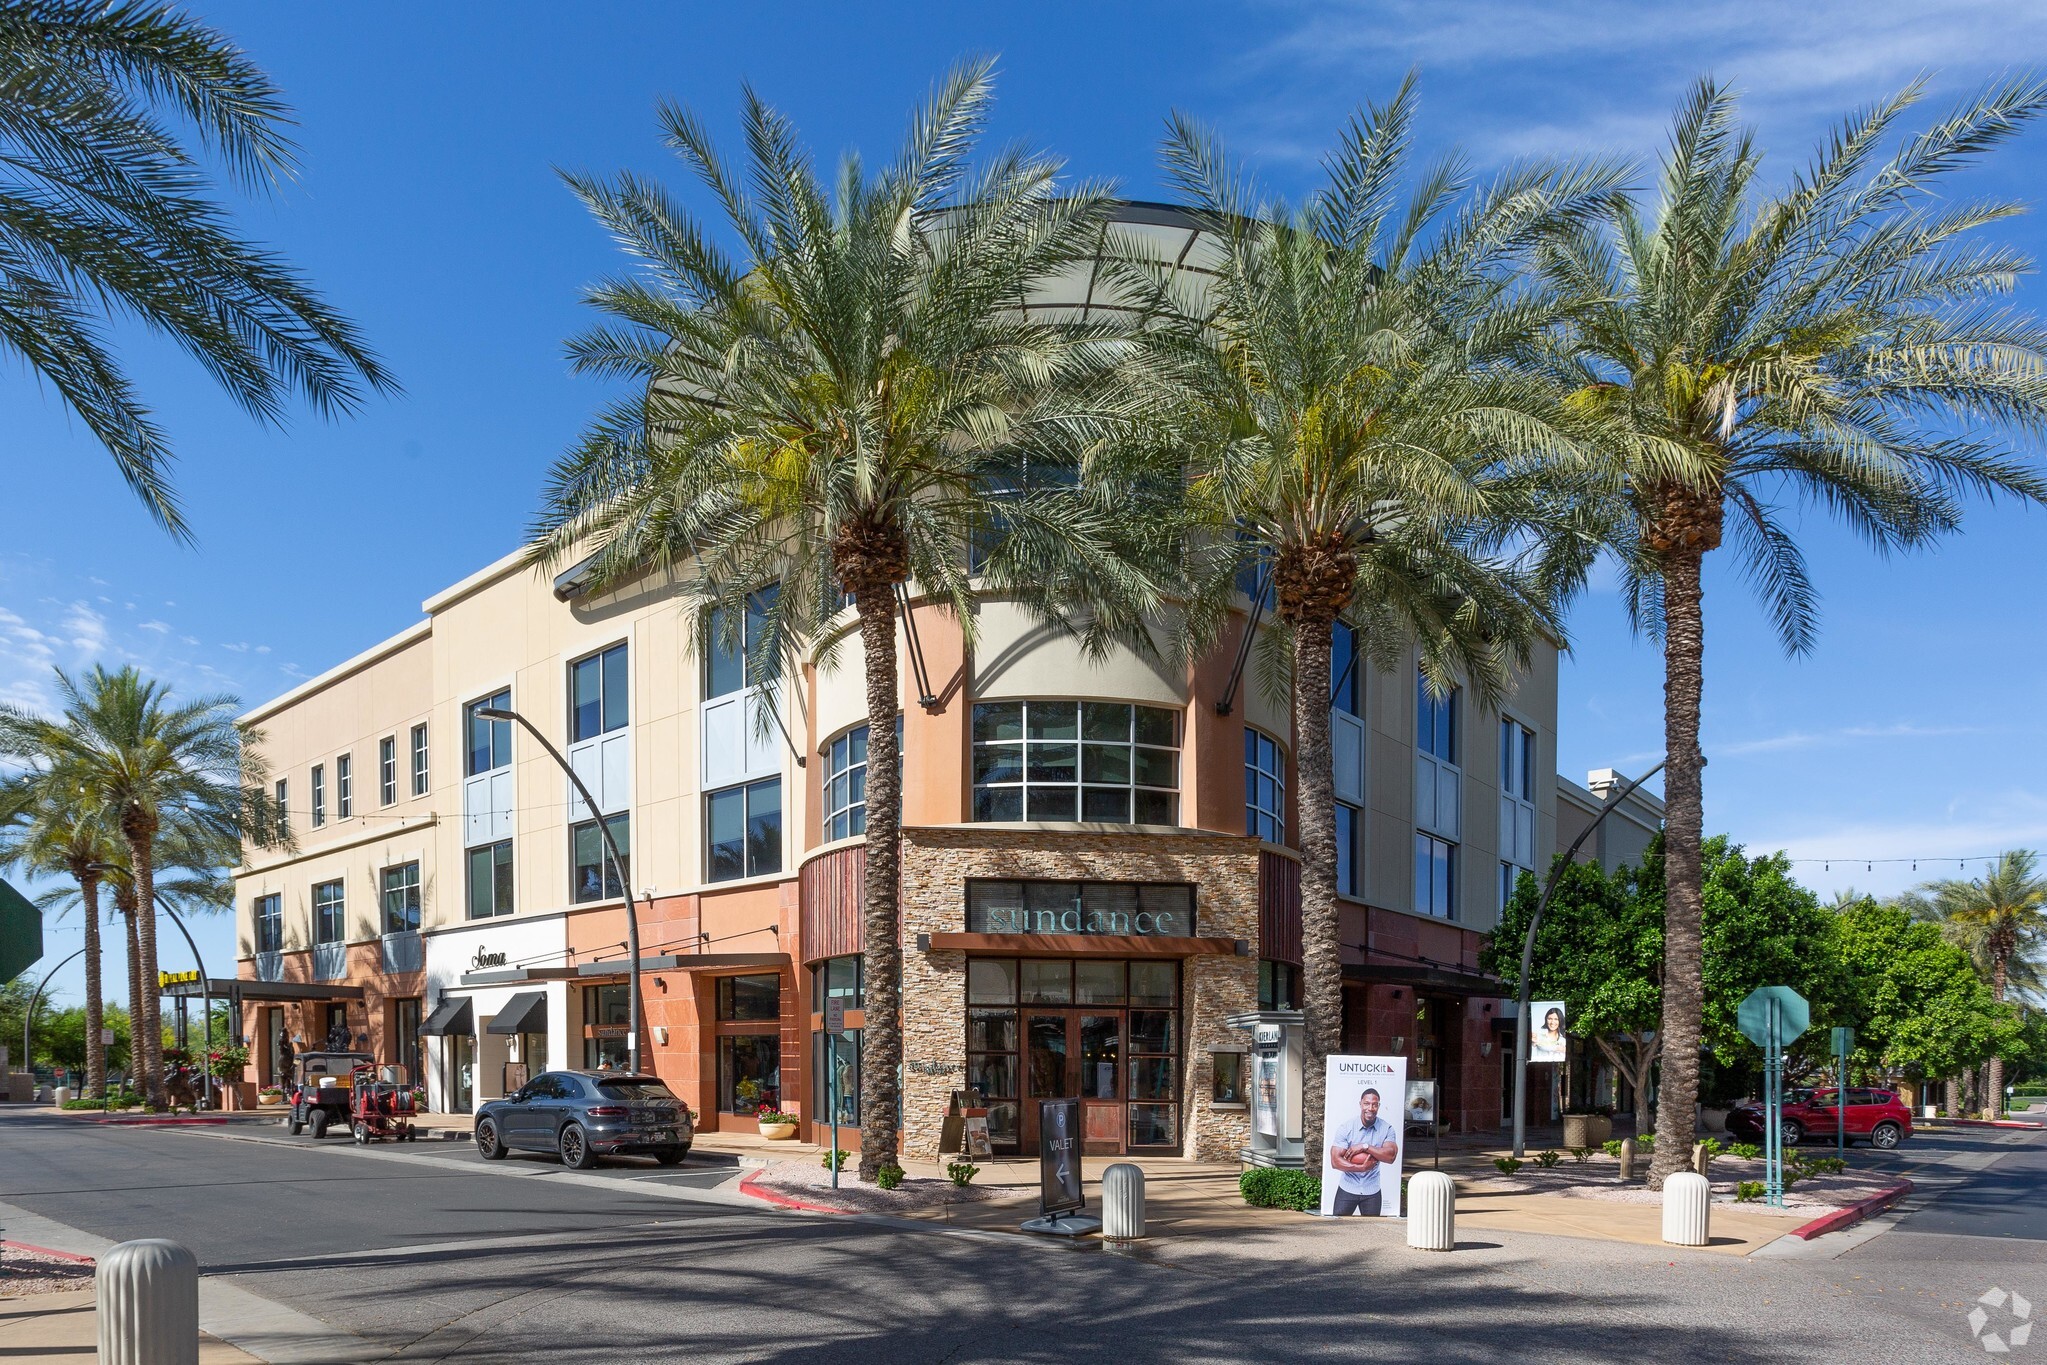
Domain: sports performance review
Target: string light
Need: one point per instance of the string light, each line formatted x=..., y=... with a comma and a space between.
x=1869, y=864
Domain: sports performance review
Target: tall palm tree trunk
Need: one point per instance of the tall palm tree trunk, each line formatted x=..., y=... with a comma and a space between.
x=1321, y=955
x=1683, y=828
x=2000, y=981
x=127, y=908
x=148, y=1050
x=95, y=1002
x=881, y=1037
x=1954, y=1096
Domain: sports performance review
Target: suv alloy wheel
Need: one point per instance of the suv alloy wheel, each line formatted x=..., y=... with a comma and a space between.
x=1885, y=1136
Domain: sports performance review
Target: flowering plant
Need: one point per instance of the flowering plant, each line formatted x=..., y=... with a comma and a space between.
x=227, y=1059
x=769, y=1114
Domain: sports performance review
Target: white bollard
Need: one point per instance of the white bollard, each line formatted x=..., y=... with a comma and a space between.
x=148, y=1295
x=1687, y=1197
x=1432, y=1212
x=63, y=1096
x=1122, y=1202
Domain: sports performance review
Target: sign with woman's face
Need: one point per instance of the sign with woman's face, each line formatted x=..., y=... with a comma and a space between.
x=1546, y=1031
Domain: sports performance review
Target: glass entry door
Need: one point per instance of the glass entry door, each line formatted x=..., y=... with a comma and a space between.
x=1075, y=1055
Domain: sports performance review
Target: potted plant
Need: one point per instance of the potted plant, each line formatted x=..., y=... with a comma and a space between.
x=270, y=1094
x=776, y=1126
x=1590, y=1128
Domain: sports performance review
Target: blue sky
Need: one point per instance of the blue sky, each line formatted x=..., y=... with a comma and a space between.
x=429, y=210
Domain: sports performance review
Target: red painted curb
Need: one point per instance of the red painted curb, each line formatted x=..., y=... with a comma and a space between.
x=49, y=1251
x=2027, y=1124
x=747, y=1187
x=1854, y=1213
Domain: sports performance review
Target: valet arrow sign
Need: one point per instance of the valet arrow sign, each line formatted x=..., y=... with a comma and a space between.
x=1770, y=1017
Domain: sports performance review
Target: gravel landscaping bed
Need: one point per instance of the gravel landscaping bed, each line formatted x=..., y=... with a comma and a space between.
x=812, y=1183
x=1598, y=1178
x=31, y=1272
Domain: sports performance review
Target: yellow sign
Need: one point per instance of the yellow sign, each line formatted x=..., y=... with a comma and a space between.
x=164, y=979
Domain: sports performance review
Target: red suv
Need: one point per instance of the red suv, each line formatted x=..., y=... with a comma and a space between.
x=1876, y=1116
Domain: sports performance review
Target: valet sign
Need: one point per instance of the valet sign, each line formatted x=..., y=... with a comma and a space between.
x=1123, y=909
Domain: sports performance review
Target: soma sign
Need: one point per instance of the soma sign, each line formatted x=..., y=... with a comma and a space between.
x=1128, y=909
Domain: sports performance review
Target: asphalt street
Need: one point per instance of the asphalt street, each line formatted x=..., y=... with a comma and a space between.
x=423, y=1252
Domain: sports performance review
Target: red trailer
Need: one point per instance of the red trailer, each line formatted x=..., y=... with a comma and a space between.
x=380, y=1105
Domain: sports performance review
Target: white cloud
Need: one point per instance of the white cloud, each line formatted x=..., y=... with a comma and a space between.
x=161, y=627
x=1811, y=739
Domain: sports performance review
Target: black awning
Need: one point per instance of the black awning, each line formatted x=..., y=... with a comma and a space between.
x=452, y=1015
x=1440, y=978
x=525, y=1012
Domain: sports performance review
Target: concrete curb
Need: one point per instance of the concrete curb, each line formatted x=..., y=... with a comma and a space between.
x=51, y=1251
x=1853, y=1214
x=753, y=1191
x=2029, y=1125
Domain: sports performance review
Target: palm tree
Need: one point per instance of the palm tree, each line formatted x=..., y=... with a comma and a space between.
x=1829, y=345
x=1348, y=399
x=104, y=212
x=146, y=761
x=837, y=410
x=2001, y=919
x=45, y=831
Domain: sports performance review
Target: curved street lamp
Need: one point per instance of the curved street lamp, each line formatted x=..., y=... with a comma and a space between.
x=632, y=918
x=28, y=1017
x=1556, y=873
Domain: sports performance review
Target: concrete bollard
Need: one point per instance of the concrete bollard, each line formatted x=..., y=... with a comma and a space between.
x=1702, y=1160
x=63, y=1096
x=1432, y=1212
x=1687, y=1197
x=1627, y=1160
x=148, y=1295
x=1122, y=1202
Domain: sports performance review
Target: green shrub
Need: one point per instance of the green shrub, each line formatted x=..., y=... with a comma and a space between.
x=1612, y=1147
x=1748, y=1191
x=1506, y=1165
x=889, y=1176
x=1713, y=1146
x=1548, y=1160
x=1746, y=1151
x=961, y=1173
x=1267, y=1188
x=1818, y=1165
x=835, y=1159
x=1645, y=1142
x=1581, y=1154
x=126, y=1099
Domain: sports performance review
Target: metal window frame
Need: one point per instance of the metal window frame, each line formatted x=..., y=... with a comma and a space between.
x=1024, y=783
x=421, y=783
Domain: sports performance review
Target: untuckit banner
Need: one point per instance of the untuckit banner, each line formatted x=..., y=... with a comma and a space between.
x=1362, y=1137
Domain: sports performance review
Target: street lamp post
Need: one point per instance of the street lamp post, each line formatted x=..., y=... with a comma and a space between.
x=28, y=1016
x=632, y=919
x=1549, y=888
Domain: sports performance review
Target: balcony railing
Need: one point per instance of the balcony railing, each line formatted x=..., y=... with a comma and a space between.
x=270, y=966
x=330, y=961
x=403, y=953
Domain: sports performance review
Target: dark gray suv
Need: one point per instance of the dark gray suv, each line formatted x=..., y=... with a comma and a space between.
x=582, y=1115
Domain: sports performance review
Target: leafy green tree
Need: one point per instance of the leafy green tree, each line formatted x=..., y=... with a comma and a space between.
x=2000, y=919
x=841, y=409
x=1918, y=1006
x=1829, y=346
x=105, y=213
x=1347, y=397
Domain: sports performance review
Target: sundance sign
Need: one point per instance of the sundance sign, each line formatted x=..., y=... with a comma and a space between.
x=1131, y=909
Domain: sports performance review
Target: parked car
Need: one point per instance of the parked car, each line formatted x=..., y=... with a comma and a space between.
x=1877, y=1117
x=319, y=1092
x=582, y=1115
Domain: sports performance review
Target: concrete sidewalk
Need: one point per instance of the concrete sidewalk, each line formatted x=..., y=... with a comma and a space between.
x=65, y=1326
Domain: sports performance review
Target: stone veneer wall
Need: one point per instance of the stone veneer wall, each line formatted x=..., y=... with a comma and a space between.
x=937, y=861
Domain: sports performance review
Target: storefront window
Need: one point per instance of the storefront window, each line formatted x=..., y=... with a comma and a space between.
x=1278, y=985
x=838, y=976
x=847, y=1051
x=606, y=1011
x=1226, y=1077
x=991, y=982
x=749, y=1072
x=749, y=999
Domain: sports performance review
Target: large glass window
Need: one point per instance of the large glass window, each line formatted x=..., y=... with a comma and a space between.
x=606, y=1010
x=836, y=977
x=732, y=656
x=749, y=1072
x=1279, y=985
x=1350, y=862
x=490, y=880
x=1517, y=760
x=282, y=809
x=344, y=786
x=1435, y=876
x=401, y=899
x=1065, y=760
x=1264, y=787
x=749, y=999
x=387, y=770
x=419, y=772
x=1435, y=720
x=597, y=694
x=591, y=875
x=1346, y=680
x=329, y=917
x=490, y=741
x=269, y=924
x=319, y=795
x=844, y=1050
x=745, y=831
x=845, y=782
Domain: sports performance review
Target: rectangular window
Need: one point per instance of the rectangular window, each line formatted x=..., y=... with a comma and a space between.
x=1517, y=805
x=732, y=657
x=1435, y=876
x=1350, y=828
x=490, y=880
x=1510, y=876
x=1279, y=985
x=490, y=741
x=749, y=1072
x=744, y=827
x=749, y=999
x=1102, y=762
x=1346, y=683
x=387, y=771
x=845, y=782
x=1517, y=760
x=282, y=810
x=401, y=899
x=329, y=921
x=269, y=924
x=837, y=976
x=1264, y=787
x=319, y=796
x=597, y=695
x=591, y=875
x=344, y=786
x=1435, y=721
x=419, y=759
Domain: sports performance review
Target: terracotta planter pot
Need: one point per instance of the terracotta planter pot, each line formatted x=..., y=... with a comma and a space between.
x=1586, y=1130
x=778, y=1132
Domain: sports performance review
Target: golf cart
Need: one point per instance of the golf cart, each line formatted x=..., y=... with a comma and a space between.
x=380, y=1104
x=320, y=1092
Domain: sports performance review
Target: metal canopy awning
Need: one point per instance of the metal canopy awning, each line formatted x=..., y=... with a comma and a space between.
x=512, y=976
x=525, y=1012
x=1445, y=980
x=452, y=1015
x=250, y=991
x=682, y=962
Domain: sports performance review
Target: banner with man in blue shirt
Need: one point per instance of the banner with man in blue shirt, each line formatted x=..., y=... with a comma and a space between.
x=1361, y=1153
